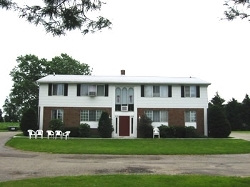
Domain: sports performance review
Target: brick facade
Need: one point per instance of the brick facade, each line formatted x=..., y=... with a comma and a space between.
x=71, y=115
x=176, y=116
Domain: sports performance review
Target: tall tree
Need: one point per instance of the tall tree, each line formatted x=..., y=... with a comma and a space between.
x=233, y=113
x=217, y=100
x=24, y=92
x=1, y=115
x=246, y=111
x=218, y=125
x=59, y=16
x=237, y=9
x=10, y=109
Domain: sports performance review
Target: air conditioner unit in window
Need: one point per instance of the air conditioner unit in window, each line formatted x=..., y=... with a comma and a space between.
x=92, y=94
x=124, y=108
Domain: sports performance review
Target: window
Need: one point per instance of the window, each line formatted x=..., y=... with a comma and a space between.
x=124, y=97
x=58, y=89
x=156, y=91
x=157, y=115
x=92, y=90
x=190, y=91
x=57, y=114
x=90, y=115
x=190, y=116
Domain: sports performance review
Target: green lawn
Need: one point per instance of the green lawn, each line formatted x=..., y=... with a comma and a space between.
x=133, y=181
x=133, y=146
x=4, y=125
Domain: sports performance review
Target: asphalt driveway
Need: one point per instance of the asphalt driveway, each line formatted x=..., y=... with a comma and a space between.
x=16, y=164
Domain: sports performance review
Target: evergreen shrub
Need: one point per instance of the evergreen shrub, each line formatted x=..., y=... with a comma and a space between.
x=105, y=127
x=56, y=124
x=28, y=121
x=84, y=130
x=145, y=128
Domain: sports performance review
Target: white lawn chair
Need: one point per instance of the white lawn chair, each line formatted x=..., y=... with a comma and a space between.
x=58, y=133
x=31, y=133
x=156, y=132
x=66, y=135
x=39, y=133
x=50, y=133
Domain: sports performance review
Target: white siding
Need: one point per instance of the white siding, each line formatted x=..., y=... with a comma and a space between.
x=176, y=101
x=72, y=100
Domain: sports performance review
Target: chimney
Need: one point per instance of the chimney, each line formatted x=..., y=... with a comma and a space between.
x=123, y=72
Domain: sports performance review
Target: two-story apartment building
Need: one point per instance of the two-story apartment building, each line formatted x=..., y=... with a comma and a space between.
x=81, y=99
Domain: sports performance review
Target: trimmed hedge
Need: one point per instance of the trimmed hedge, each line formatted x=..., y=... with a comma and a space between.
x=177, y=132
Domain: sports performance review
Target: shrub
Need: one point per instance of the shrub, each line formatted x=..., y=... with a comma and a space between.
x=28, y=121
x=167, y=131
x=105, y=127
x=144, y=128
x=190, y=132
x=179, y=132
x=218, y=125
x=74, y=131
x=84, y=130
x=56, y=124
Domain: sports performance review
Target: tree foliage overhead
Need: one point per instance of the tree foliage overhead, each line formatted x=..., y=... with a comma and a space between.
x=237, y=9
x=59, y=16
x=24, y=92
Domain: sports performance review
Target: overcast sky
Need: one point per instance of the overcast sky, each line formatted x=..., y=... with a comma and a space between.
x=156, y=38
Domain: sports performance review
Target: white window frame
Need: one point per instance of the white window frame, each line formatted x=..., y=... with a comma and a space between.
x=190, y=116
x=85, y=115
x=98, y=88
x=156, y=90
x=189, y=91
x=163, y=115
x=58, y=89
x=57, y=114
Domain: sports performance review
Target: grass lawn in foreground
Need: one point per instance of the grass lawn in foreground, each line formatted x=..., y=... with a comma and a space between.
x=133, y=146
x=133, y=181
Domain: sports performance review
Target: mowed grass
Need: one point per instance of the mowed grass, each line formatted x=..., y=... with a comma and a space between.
x=133, y=146
x=4, y=125
x=133, y=181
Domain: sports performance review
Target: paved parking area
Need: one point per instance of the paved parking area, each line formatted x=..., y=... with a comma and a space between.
x=16, y=164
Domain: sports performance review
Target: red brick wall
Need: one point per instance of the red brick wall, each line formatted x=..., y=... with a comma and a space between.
x=176, y=116
x=71, y=115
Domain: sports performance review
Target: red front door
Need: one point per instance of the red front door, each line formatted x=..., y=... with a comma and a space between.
x=123, y=125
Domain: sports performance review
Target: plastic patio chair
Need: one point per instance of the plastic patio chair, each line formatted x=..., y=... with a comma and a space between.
x=58, y=133
x=50, y=133
x=31, y=133
x=156, y=132
x=39, y=133
x=66, y=135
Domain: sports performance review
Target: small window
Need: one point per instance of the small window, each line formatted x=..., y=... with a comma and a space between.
x=190, y=116
x=58, y=89
x=92, y=90
x=90, y=115
x=57, y=114
x=157, y=115
x=190, y=91
x=156, y=91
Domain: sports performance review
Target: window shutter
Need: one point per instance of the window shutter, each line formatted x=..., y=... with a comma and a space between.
x=78, y=89
x=169, y=91
x=106, y=90
x=50, y=90
x=142, y=90
x=197, y=91
x=65, y=89
x=182, y=91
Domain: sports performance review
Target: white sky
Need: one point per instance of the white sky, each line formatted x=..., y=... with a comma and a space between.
x=157, y=38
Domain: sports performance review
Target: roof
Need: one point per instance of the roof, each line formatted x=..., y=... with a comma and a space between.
x=121, y=79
